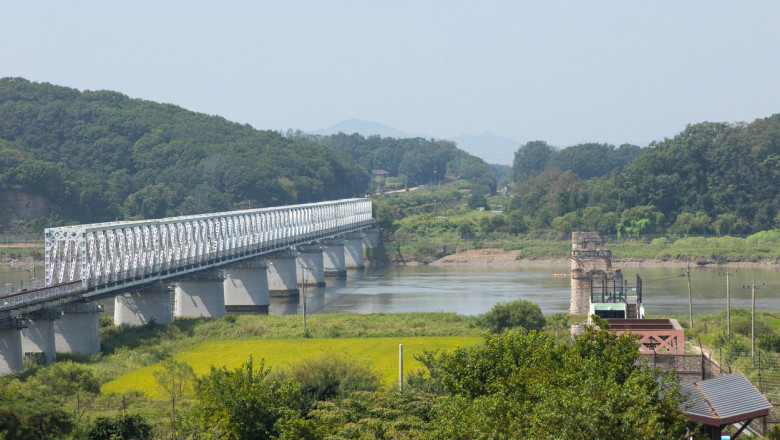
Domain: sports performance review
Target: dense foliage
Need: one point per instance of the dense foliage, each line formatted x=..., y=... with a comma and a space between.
x=525, y=385
x=584, y=160
x=515, y=384
x=100, y=156
x=512, y=314
x=712, y=178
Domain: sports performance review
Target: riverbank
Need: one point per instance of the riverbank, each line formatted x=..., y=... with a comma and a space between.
x=501, y=258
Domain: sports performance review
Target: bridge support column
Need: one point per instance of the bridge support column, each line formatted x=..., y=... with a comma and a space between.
x=282, y=273
x=142, y=306
x=333, y=257
x=246, y=288
x=202, y=295
x=38, y=337
x=11, y=345
x=371, y=237
x=78, y=329
x=311, y=263
x=353, y=250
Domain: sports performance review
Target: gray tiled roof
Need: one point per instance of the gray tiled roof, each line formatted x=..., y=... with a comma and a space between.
x=723, y=400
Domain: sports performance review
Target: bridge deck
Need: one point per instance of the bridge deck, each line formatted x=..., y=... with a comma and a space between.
x=104, y=259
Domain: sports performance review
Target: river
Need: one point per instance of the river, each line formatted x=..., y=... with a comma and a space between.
x=470, y=290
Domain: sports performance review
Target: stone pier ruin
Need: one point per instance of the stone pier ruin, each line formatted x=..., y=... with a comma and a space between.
x=591, y=271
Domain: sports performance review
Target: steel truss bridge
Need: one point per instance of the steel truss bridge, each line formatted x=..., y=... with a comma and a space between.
x=104, y=259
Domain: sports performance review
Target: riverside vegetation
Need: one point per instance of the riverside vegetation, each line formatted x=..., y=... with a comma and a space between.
x=429, y=223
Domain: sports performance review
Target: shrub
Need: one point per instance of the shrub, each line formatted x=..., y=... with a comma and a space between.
x=770, y=342
x=507, y=315
x=123, y=426
x=67, y=379
x=332, y=376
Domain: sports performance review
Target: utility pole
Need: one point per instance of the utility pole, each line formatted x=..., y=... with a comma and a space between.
x=690, y=298
x=753, y=318
x=303, y=292
x=400, y=367
x=728, y=306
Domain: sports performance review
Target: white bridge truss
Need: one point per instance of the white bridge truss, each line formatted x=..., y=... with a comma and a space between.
x=110, y=256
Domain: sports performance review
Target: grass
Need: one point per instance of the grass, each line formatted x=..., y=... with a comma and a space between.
x=381, y=353
x=125, y=349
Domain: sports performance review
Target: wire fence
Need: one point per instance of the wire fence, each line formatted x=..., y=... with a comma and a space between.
x=22, y=240
x=690, y=367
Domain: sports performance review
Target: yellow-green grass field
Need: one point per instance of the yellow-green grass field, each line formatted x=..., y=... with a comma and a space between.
x=380, y=353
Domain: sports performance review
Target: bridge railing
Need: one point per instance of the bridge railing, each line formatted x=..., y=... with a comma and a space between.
x=106, y=254
x=22, y=297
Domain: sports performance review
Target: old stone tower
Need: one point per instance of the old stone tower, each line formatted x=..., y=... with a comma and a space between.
x=591, y=270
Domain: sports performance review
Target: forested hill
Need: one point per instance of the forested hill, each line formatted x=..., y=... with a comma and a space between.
x=419, y=161
x=93, y=156
x=712, y=178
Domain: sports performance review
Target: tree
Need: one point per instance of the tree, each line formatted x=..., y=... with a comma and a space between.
x=176, y=378
x=689, y=223
x=531, y=159
x=508, y=315
x=521, y=384
x=240, y=404
x=27, y=412
x=639, y=221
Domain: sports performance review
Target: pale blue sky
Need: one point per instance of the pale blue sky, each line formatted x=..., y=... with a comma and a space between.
x=561, y=71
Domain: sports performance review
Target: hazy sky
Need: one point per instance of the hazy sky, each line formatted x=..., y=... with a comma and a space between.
x=561, y=71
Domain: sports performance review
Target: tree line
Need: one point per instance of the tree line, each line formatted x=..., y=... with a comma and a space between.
x=712, y=178
x=97, y=156
x=519, y=383
x=418, y=160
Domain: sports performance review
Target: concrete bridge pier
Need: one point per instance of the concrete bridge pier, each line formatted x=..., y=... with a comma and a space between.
x=38, y=337
x=282, y=273
x=371, y=237
x=202, y=295
x=11, y=358
x=144, y=305
x=246, y=287
x=333, y=257
x=353, y=250
x=78, y=329
x=310, y=261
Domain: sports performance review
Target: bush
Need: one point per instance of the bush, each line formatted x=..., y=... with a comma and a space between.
x=67, y=379
x=507, y=315
x=123, y=426
x=332, y=376
x=770, y=342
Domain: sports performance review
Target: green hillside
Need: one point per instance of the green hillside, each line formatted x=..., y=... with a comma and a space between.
x=712, y=178
x=72, y=156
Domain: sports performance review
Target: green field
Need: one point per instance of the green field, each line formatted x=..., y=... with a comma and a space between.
x=381, y=353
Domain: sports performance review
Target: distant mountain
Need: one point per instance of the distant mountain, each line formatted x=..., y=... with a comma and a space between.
x=490, y=147
x=364, y=128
